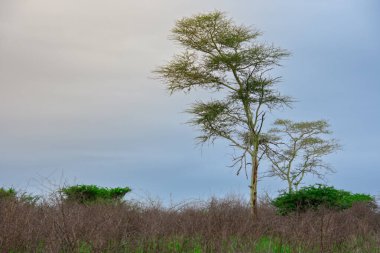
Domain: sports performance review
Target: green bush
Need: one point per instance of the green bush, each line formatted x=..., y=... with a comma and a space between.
x=28, y=198
x=85, y=194
x=12, y=194
x=316, y=196
x=7, y=193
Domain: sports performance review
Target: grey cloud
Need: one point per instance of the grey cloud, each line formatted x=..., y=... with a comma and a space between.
x=77, y=94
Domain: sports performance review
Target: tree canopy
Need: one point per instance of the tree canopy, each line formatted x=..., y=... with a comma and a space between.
x=296, y=149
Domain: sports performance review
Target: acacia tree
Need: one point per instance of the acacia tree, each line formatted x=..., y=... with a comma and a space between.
x=222, y=56
x=295, y=149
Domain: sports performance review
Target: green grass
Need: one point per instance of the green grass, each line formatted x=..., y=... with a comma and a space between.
x=232, y=245
x=269, y=245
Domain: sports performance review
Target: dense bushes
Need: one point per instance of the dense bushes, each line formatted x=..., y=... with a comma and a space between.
x=223, y=225
x=316, y=196
x=59, y=225
x=86, y=194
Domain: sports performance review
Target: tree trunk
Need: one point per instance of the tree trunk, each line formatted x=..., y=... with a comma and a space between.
x=290, y=185
x=253, y=186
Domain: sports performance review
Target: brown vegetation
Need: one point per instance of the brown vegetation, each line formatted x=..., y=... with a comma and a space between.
x=213, y=226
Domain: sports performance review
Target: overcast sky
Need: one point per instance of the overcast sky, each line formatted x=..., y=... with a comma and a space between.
x=78, y=103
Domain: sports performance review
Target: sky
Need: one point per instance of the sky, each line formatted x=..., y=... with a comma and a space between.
x=79, y=103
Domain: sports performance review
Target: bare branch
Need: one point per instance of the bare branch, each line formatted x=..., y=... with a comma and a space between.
x=297, y=148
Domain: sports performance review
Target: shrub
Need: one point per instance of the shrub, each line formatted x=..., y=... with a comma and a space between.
x=12, y=194
x=218, y=225
x=316, y=196
x=7, y=193
x=28, y=198
x=85, y=194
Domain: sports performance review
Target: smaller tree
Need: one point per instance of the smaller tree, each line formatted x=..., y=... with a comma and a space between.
x=295, y=149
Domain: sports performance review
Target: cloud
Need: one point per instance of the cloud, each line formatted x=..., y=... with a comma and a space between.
x=77, y=94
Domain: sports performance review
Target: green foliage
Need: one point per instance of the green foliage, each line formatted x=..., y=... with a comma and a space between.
x=28, y=198
x=7, y=193
x=12, y=194
x=221, y=55
x=316, y=196
x=85, y=194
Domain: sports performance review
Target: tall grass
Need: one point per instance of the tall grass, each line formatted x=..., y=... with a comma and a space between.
x=222, y=225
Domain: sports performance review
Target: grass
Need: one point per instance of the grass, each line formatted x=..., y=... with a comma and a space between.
x=262, y=245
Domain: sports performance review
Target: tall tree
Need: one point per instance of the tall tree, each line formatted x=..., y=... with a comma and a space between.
x=222, y=56
x=296, y=149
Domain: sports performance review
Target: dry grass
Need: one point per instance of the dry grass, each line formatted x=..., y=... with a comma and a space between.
x=214, y=226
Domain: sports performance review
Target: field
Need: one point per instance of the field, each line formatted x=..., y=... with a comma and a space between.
x=223, y=225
